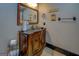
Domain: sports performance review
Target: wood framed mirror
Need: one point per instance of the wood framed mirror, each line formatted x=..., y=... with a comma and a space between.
x=26, y=13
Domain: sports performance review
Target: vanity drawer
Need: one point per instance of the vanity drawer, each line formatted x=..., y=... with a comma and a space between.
x=35, y=34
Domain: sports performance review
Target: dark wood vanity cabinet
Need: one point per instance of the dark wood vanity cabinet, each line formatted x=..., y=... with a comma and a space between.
x=32, y=43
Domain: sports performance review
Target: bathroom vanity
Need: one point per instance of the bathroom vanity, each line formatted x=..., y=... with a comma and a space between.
x=32, y=42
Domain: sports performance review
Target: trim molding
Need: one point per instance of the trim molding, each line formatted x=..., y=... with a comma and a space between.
x=63, y=51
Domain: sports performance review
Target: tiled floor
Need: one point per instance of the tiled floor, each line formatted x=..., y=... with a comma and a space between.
x=49, y=52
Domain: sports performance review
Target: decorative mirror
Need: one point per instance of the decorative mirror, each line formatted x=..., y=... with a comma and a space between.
x=26, y=13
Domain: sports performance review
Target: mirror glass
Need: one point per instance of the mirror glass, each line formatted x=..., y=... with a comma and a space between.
x=30, y=15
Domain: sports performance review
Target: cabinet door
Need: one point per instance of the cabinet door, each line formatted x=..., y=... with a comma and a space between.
x=36, y=41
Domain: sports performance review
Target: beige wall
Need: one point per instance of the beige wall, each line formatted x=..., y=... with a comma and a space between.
x=62, y=34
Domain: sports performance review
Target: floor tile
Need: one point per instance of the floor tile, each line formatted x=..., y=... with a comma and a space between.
x=49, y=52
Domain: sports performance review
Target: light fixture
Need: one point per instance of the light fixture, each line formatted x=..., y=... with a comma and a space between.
x=33, y=5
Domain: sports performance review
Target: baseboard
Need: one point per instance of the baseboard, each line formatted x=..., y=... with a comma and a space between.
x=63, y=51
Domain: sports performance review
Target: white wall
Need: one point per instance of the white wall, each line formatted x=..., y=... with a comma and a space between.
x=62, y=34
x=8, y=25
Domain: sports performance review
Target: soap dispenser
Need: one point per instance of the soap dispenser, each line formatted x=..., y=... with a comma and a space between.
x=25, y=25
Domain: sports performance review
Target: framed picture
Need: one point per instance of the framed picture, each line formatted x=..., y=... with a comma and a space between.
x=27, y=13
x=53, y=17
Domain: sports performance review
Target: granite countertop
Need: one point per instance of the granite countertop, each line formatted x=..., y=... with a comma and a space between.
x=30, y=31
